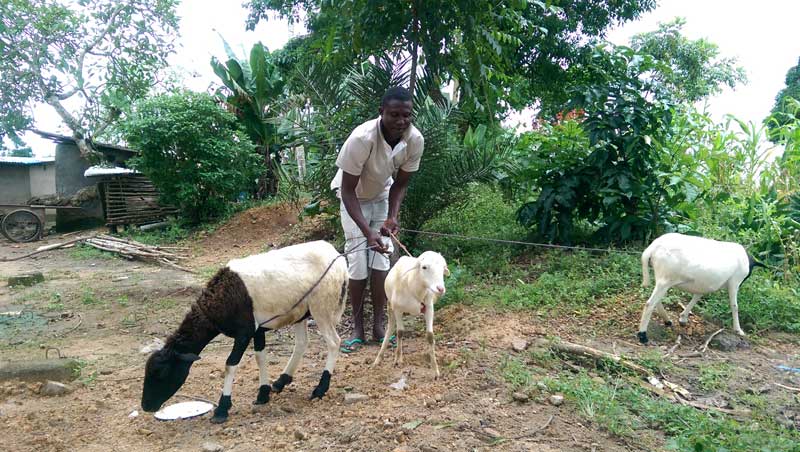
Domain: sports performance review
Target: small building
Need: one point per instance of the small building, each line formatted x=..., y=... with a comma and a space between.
x=22, y=178
x=70, y=180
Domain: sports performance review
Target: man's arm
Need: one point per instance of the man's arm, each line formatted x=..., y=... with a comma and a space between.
x=396, y=194
x=350, y=201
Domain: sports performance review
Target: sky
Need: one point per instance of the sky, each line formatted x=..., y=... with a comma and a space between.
x=762, y=36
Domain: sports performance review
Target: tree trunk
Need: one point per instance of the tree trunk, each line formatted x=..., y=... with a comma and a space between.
x=414, y=47
x=78, y=134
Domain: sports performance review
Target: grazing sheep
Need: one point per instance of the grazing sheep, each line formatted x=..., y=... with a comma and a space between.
x=698, y=266
x=413, y=285
x=245, y=299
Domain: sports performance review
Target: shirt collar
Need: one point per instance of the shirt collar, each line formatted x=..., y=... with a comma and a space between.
x=403, y=139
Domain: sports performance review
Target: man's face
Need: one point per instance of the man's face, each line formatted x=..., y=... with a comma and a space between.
x=396, y=117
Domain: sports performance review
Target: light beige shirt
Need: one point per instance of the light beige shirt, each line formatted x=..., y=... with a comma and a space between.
x=367, y=154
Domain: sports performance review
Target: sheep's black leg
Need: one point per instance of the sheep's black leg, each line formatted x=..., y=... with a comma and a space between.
x=259, y=342
x=322, y=387
x=281, y=382
x=239, y=346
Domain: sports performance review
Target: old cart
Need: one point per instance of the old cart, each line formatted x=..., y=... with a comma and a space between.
x=24, y=223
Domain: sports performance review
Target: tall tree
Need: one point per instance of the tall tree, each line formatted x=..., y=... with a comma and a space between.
x=785, y=110
x=500, y=55
x=87, y=59
x=691, y=69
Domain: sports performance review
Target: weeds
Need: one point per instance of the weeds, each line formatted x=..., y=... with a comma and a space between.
x=88, y=297
x=630, y=412
x=85, y=252
x=715, y=376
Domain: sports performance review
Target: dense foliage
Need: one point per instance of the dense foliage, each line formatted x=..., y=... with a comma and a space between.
x=339, y=104
x=513, y=54
x=88, y=60
x=195, y=152
x=251, y=88
x=787, y=102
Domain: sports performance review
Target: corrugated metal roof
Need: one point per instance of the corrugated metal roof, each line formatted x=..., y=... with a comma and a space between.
x=26, y=161
x=69, y=140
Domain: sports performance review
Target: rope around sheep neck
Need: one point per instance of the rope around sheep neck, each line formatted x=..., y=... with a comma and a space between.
x=311, y=289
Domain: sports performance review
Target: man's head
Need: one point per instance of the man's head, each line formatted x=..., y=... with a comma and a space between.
x=395, y=111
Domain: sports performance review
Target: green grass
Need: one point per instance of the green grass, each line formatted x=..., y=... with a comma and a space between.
x=553, y=281
x=88, y=297
x=56, y=303
x=85, y=252
x=629, y=412
x=715, y=376
x=485, y=214
x=173, y=233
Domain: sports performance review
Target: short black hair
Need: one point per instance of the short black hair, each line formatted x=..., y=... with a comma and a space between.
x=396, y=93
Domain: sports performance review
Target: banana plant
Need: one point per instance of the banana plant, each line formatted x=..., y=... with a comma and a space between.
x=251, y=88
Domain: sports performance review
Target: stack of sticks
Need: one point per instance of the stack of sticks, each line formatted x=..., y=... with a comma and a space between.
x=131, y=249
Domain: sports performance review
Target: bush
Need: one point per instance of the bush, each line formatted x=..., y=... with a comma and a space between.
x=486, y=215
x=193, y=151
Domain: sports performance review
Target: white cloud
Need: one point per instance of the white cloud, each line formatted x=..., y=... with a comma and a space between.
x=762, y=36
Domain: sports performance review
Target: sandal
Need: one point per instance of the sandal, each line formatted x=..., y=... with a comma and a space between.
x=392, y=340
x=351, y=345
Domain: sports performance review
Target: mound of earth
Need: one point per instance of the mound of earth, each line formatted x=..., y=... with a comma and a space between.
x=257, y=230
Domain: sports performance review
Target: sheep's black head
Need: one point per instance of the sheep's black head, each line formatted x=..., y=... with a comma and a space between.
x=164, y=374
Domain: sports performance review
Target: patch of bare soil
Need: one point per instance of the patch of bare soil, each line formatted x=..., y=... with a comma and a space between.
x=256, y=230
x=106, y=310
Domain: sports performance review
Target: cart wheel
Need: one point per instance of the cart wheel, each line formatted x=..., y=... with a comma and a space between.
x=21, y=225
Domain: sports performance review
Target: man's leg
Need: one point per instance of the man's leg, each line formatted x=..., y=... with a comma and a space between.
x=378, y=293
x=379, y=266
x=357, y=269
x=357, y=288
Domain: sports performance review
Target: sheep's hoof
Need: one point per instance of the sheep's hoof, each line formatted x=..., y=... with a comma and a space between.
x=683, y=322
x=219, y=419
x=281, y=382
x=642, y=335
x=667, y=322
x=322, y=387
x=263, y=395
x=221, y=412
x=741, y=333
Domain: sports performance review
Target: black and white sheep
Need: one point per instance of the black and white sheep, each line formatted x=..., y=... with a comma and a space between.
x=412, y=286
x=696, y=265
x=245, y=299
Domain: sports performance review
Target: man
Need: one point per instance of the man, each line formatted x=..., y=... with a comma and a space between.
x=375, y=166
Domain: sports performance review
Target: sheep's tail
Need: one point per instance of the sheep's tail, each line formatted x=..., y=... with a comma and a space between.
x=646, y=264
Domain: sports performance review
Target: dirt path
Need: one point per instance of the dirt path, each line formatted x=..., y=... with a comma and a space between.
x=103, y=310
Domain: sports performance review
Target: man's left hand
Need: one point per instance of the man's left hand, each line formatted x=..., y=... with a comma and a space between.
x=390, y=226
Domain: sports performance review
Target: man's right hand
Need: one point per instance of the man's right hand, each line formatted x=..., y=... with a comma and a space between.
x=375, y=243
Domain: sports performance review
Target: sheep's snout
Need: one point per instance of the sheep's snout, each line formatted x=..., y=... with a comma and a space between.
x=440, y=289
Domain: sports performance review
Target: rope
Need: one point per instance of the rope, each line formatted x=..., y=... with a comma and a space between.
x=394, y=237
x=516, y=242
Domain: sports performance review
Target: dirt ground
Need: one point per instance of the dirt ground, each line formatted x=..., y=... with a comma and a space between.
x=103, y=310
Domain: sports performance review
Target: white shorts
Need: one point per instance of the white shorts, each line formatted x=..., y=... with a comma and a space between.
x=358, y=262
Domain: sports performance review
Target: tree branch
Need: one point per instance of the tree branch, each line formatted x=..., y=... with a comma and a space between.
x=88, y=48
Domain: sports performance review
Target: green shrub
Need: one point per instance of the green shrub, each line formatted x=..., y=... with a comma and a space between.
x=194, y=152
x=486, y=215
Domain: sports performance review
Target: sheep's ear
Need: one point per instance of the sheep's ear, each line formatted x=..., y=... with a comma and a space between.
x=189, y=357
x=446, y=271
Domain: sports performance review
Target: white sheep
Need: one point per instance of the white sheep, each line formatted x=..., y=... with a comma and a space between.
x=412, y=286
x=245, y=299
x=698, y=266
